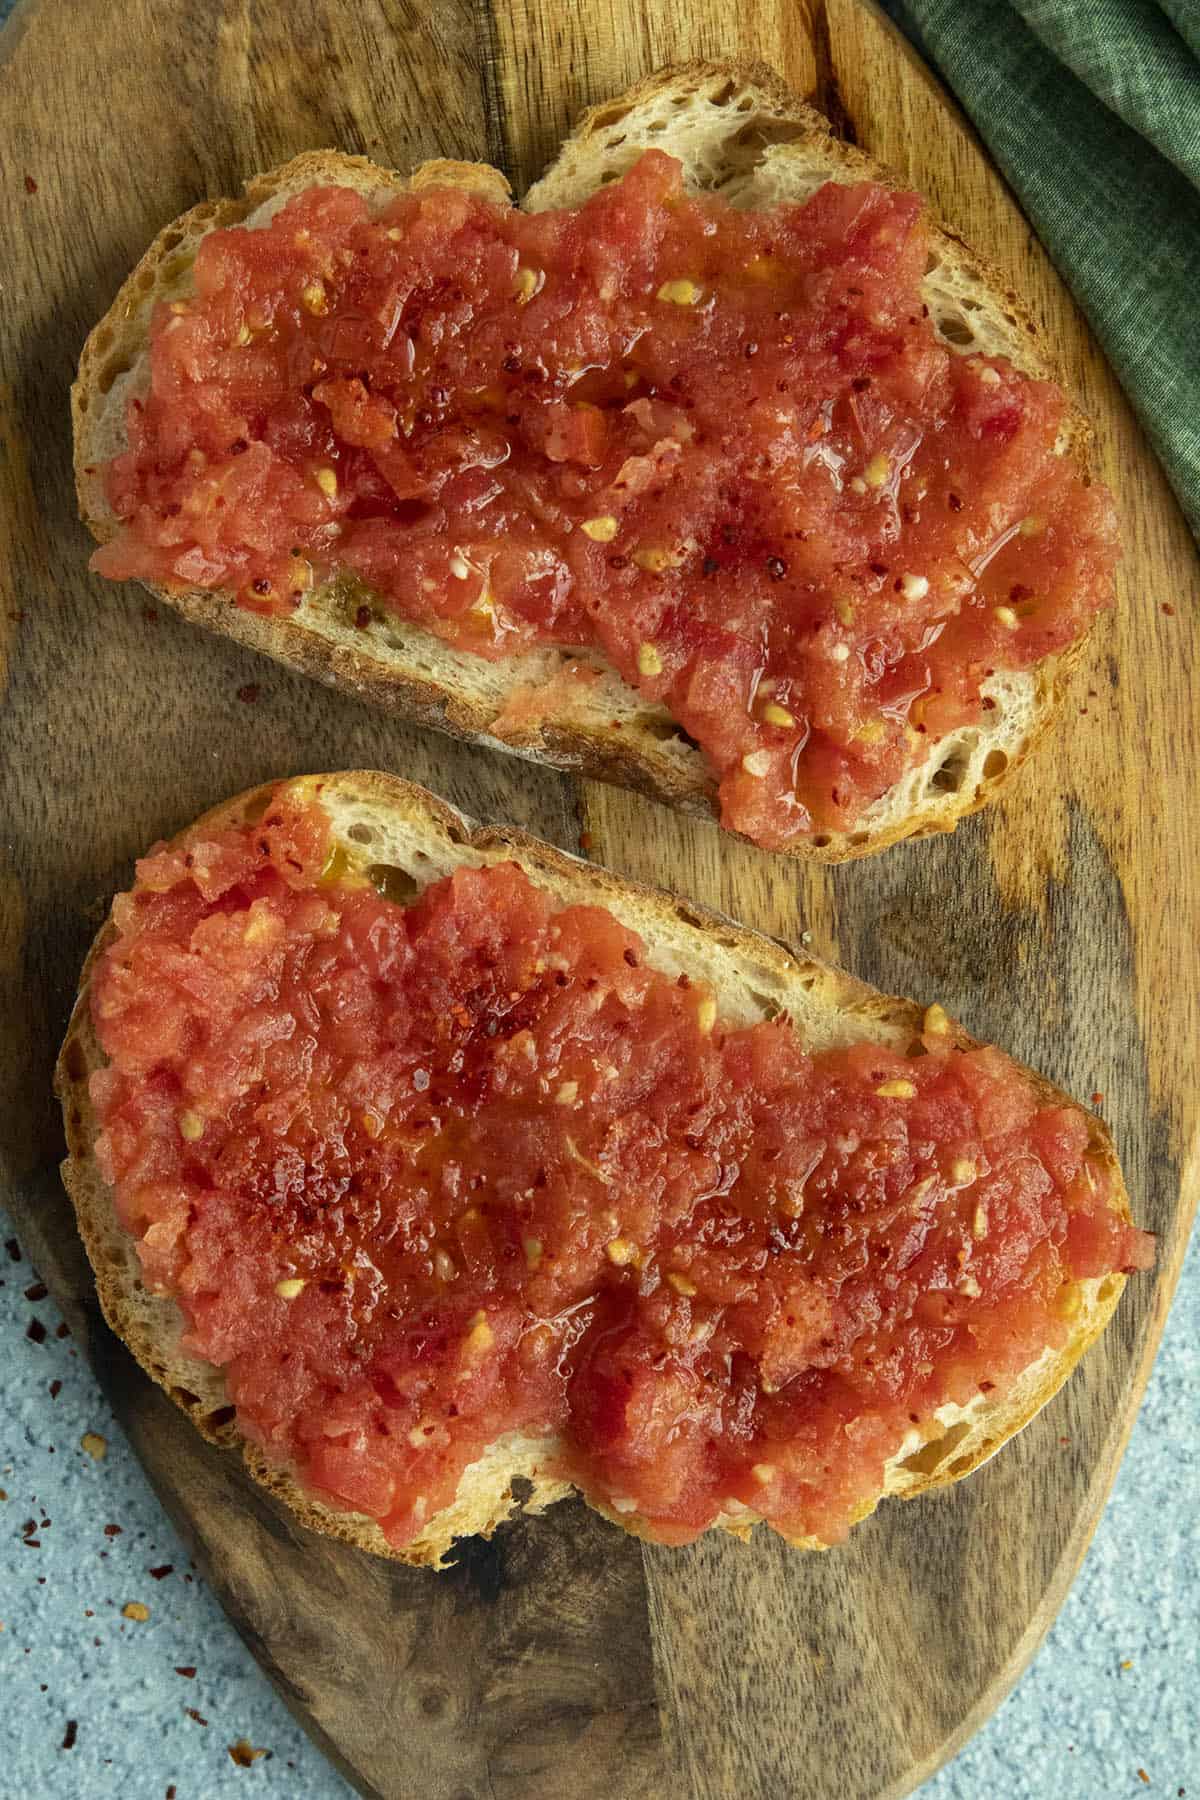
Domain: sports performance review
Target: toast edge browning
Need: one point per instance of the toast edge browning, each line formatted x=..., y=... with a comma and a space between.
x=484, y=1499
x=588, y=749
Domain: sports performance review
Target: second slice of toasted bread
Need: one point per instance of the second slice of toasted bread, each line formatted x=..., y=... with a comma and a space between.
x=380, y=819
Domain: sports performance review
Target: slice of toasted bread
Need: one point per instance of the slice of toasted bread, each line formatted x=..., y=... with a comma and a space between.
x=739, y=132
x=379, y=818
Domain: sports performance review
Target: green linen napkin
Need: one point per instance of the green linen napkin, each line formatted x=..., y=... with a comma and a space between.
x=1092, y=110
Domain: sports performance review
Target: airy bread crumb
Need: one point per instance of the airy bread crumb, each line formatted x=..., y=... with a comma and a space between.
x=740, y=132
x=378, y=818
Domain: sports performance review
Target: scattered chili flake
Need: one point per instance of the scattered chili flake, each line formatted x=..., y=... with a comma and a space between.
x=1168, y=609
x=95, y=1445
x=69, y=1734
x=1097, y=1098
x=244, y=1754
x=171, y=1792
x=3, y=1493
x=187, y=1670
x=1142, y=1776
x=586, y=840
x=1064, y=1441
x=38, y=1291
x=55, y=1389
x=31, y=186
x=112, y=1531
x=193, y=1714
x=162, y=1571
x=63, y=1330
x=35, y=1331
x=362, y=618
x=135, y=1610
x=249, y=693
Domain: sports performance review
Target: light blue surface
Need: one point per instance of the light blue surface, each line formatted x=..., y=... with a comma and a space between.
x=1078, y=1727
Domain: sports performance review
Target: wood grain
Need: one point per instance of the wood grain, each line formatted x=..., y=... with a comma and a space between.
x=1063, y=923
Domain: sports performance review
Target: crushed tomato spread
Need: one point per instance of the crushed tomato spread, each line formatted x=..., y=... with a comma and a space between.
x=420, y=1175
x=726, y=449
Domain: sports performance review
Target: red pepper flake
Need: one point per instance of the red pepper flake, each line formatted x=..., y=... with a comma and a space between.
x=244, y=1754
x=69, y=1734
x=362, y=619
x=63, y=1330
x=187, y=1670
x=249, y=693
x=1097, y=1098
x=35, y=1331
x=1168, y=609
x=1142, y=1776
x=38, y=1291
x=1064, y=1441
x=586, y=840
x=55, y=1389
x=163, y=1570
x=193, y=1714
x=112, y=1531
x=31, y=187
x=171, y=1792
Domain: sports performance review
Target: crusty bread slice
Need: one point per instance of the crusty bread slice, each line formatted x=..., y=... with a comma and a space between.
x=740, y=132
x=380, y=819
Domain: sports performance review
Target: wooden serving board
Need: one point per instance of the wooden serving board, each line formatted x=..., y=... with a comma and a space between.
x=564, y=1657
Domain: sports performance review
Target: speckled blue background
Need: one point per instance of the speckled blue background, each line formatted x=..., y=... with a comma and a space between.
x=1114, y=1689
x=1110, y=1703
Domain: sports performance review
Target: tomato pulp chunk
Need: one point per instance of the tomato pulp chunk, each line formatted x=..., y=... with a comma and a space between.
x=727, y=450
x=422, y=1176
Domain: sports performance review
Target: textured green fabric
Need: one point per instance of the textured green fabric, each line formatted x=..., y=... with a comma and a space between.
x=1092, y=110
